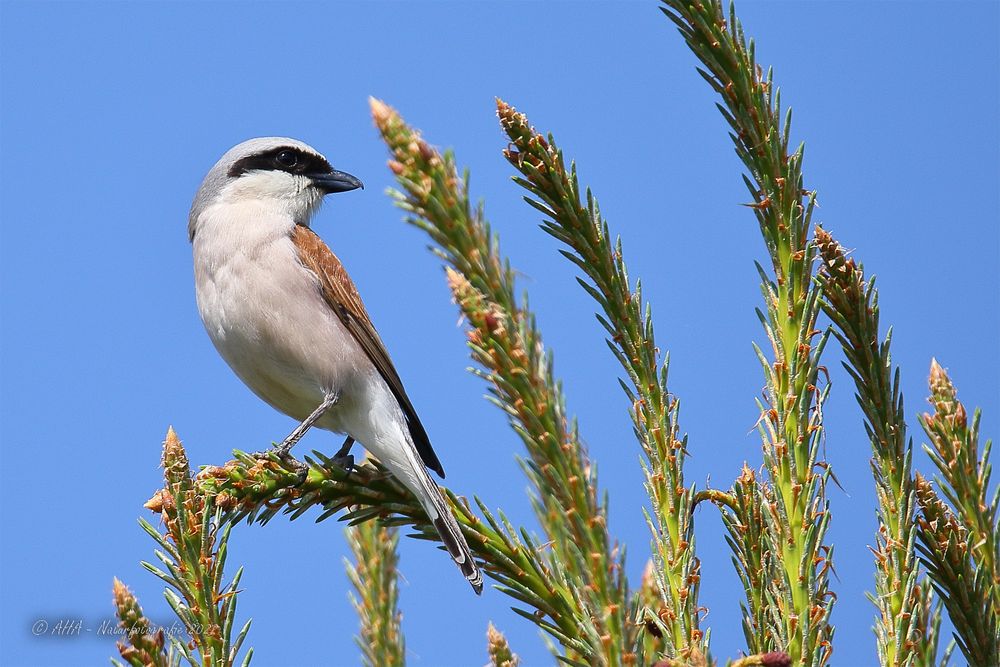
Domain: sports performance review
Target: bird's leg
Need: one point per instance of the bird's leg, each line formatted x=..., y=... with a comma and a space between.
x=285, y=448
x=343, y=457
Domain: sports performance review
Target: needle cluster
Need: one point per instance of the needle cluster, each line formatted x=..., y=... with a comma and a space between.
x=575, y=220
x=959, y=538
x=192, y=559
x=258, y=489
x=374, y=576
x=793, y=502
x=498, y=649
x=142, y=645
x=505, y=342
x=851, y=302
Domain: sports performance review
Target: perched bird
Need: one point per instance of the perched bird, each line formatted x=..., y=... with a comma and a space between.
x=282, y=311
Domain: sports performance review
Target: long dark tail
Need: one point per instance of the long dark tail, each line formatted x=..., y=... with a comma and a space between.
x=449, y=530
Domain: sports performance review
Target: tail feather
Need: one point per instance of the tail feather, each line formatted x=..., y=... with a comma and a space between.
x=455, y=542
x=449, y=530
x=403, y=460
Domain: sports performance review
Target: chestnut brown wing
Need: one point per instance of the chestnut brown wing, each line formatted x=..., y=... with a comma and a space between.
x=342, y=296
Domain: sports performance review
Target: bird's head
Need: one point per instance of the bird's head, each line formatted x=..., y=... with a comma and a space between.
x=280, y=172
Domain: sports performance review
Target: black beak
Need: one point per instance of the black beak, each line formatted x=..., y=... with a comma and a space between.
x=336, y=181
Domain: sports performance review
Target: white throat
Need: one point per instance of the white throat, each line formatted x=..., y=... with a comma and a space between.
x=279, y=193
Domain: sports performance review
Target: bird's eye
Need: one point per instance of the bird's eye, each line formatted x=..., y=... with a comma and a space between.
x=287, y=158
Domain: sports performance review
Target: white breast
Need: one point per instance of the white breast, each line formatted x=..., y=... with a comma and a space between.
x=266, y=315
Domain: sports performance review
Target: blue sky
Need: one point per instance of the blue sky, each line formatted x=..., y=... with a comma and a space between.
x=112, y=113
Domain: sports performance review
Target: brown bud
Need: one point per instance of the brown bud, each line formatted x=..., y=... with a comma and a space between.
x=960, y=416
x=775, y=659
x=155, y=504
x=426, y=152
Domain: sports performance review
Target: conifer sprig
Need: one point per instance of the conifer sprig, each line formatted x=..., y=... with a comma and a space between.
x=796, y=510
x=499, y=650
x=964, y=473
x=964, y=589
x=141, y=646
x=259, y=489
x=555, y=191
x=928, y=634
x=651, y=612
x=193, y=557
x=504, y=340
x=851, y=302
x=958, y=543
x=375, y=578
x=746, y=528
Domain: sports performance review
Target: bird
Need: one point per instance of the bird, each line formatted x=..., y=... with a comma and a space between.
x=284, y=314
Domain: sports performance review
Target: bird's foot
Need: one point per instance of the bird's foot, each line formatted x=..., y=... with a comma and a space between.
x=300, y=469
x=343, y=457
x=284, y=450
x=285, y=457
x=346, y=462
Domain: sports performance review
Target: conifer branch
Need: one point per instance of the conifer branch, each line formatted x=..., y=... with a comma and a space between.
x=851, y=302
x=964, y=589
x=796, y=510
x=374, y=577
x=259, y=489
x=755, y=565
x=651, y=612
x=928, y=632
x=555, y=191
x=193, y=558
x=498, y=649
x=964, y=473
x=141, y=647
x=505, y=341
x=958, y=543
